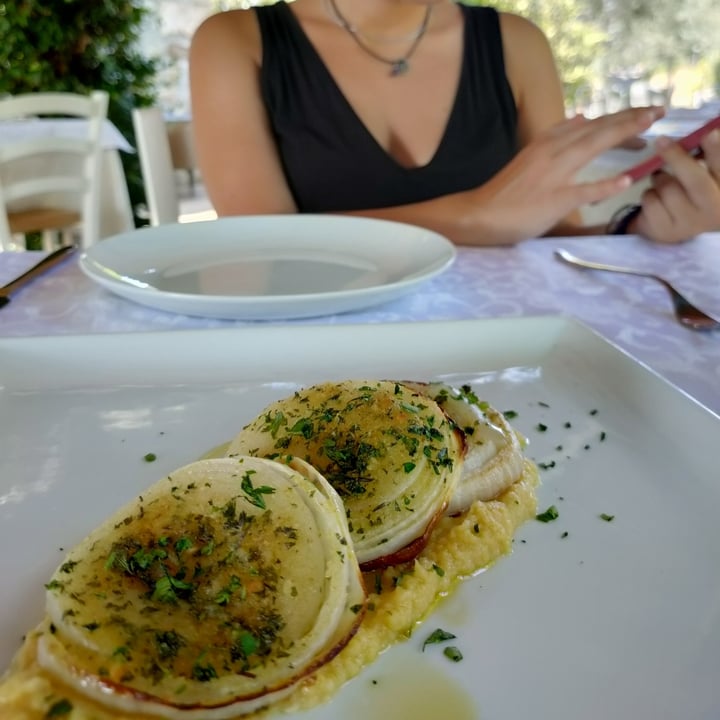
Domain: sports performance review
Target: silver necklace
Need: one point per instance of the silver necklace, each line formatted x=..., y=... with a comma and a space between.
x=398, y=66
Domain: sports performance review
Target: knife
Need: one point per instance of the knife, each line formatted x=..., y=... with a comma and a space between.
x=50, y=261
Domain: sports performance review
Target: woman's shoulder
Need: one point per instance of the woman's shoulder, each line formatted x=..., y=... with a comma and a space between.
x=517, y=29
x=230, y=31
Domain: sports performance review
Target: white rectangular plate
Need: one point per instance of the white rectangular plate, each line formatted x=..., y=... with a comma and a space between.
x=587, y=618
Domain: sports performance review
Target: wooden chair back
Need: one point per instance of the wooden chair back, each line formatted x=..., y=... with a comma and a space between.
x=156, y=166
x=61, y=196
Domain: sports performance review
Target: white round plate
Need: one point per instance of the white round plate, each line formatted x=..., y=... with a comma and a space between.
x=269, y=266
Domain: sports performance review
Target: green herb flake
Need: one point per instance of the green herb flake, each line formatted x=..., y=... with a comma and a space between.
x=541, y=427
x=510, y=414
x=182, y=544
x=438, y=570
x=437, y=636
x=204, y=673
x=59, y=708
x=150, y=457
x=255, y=494
x=408, y=467
x=606, y=517
x=452, y=653
x=549, y=515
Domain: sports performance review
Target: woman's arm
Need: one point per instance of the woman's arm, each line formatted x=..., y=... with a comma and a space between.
x=236, y=152
x=533, y=195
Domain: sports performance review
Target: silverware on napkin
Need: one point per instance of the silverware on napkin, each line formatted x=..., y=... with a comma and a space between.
x=686, y=313
x=48, y=262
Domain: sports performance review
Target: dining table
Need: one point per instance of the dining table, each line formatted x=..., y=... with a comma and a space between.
x=615, y=402
x=634, y=314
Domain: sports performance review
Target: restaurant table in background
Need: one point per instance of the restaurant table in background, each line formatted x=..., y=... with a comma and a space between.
x=526, y=280
x=115, y=209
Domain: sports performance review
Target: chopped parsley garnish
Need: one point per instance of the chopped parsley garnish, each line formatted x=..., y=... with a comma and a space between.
x=540, y=427
x=438, y=570
x=452, y=653
x=68, y=567
x=150, y=457
x=167, y=644
x=168, y=588
x=438, y=636
x=182, y=544
x=223, y=597
x=510, y=414
x=549, y=515
x=204, y=673
x=606, y=517
x=255, y=494
x=59, y=708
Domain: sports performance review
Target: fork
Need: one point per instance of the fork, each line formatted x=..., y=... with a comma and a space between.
x=687, y=314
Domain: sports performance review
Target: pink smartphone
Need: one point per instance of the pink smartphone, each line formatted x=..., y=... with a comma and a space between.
x=690, y=142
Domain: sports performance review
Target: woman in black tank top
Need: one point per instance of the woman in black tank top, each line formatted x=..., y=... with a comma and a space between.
x=428, y=112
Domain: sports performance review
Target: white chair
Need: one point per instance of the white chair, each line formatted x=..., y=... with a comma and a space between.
x=60, y=196
x=158, y=169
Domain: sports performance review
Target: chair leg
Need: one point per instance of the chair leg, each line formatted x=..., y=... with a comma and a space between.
x=68, y=236
x=49, y=240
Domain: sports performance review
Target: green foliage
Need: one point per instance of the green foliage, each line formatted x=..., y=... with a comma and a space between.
x=575, y=39
x=598, y=42
x=78, y=46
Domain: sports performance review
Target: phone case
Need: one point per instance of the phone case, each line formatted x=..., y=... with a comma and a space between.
x=690, y=142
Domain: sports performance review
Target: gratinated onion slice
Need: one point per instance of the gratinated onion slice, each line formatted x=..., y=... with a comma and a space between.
x=210, y=595
x=390, y=452
x=493, y=454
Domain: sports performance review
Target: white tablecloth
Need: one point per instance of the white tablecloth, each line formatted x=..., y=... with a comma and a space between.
x=115, y=209
x=634, y=313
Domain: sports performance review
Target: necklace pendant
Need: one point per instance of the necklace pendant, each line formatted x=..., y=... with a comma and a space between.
x=399, y=67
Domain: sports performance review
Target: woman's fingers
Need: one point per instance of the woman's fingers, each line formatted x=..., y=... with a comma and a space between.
x=691, y=188
x=711, y=150
x=574, y=144
x=588, y=193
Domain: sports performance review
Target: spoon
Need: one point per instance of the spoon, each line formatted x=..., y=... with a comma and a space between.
x=49, y=261
x=686, y=313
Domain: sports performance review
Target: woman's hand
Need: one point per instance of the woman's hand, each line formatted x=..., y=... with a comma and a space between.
x=538, y=189
x=684, y=200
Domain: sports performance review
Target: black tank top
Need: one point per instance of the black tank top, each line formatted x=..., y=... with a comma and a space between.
x=331, y=161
